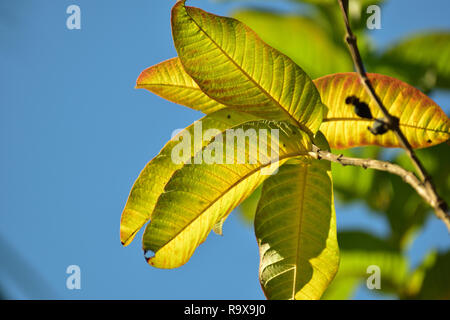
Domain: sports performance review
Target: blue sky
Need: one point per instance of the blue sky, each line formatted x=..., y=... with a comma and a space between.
x=75, y=134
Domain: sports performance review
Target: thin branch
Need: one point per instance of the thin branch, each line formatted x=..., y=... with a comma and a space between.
x=407, y=176
x=440, y=207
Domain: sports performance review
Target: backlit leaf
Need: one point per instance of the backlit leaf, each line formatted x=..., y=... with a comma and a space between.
x=199, y=195
x=422, y=121
x=295, y=225
x=232, y=65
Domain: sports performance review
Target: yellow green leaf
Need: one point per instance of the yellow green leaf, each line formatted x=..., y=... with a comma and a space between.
x=153, y=178
x=295, y=225
x=169, y=80
x=422, y=121
x=232, y=65
x=200, y=195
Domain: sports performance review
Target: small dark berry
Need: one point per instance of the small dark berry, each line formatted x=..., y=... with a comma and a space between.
x=351, y=100
x=363, y=111
x=361, y=108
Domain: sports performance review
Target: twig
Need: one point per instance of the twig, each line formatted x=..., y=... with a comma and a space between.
x=406, y=175
x=440, y=207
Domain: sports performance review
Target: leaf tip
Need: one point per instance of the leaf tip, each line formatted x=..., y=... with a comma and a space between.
x=125, y=237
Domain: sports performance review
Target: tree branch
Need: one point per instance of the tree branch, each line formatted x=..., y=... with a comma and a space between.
x=407, y=176
x=439, y=205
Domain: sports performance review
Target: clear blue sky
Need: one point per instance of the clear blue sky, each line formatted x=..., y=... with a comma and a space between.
x=75, y=134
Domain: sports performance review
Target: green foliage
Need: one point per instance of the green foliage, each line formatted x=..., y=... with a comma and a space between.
x=422, y=59
x=388, y=196
x=360, y=250
x=436, y=280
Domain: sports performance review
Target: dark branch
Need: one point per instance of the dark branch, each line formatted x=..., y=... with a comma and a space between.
x=439, y=205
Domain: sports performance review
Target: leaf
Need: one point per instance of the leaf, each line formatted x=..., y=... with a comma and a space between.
x=169, y=80
x=295, y=225
x=300, y=38
x=153, y=178
x=232, y=65
x=422, y=57
x=422, y=121
x=200, y=195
